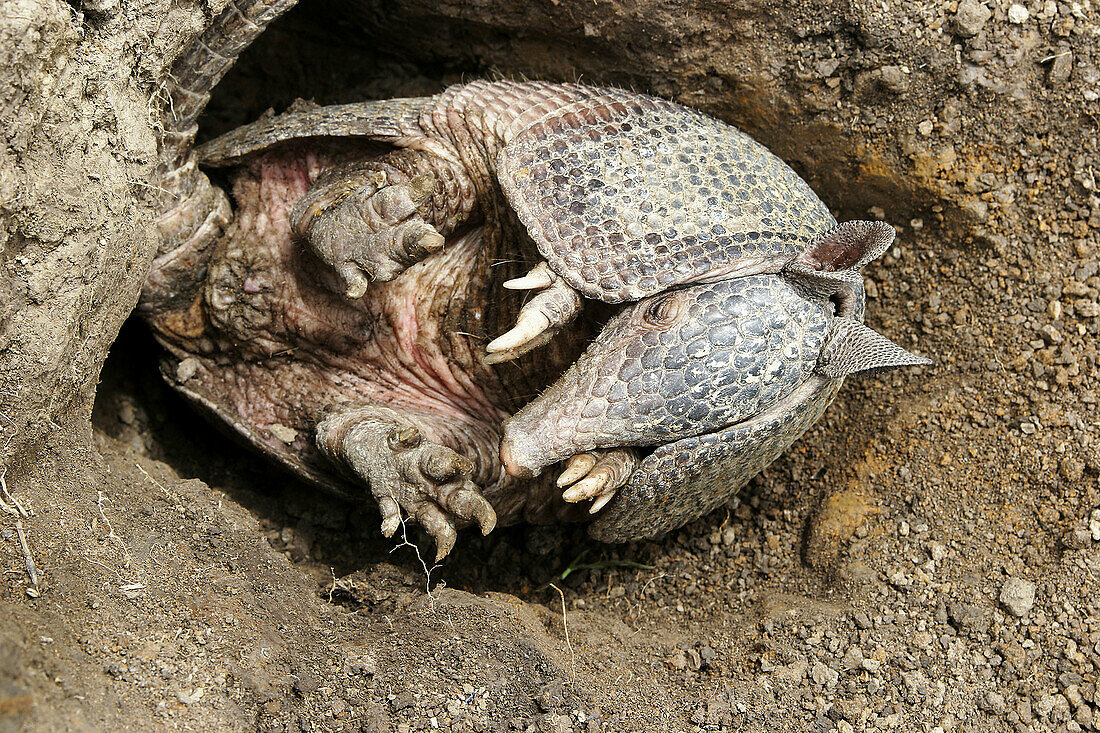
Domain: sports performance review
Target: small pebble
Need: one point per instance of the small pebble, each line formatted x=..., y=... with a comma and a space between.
x=970, y=18
x=1018, y=596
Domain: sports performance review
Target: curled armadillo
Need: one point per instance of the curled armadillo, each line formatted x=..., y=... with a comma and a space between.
x=345, y=316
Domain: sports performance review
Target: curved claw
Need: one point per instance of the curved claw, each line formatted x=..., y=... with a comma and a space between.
x=577, y=468
x=601, y=501
x=529, y=326
x=556, y=305
x=439, y=526
x=391, y=515
x=538, y=278
x=597, y=475
x=355, y=282
x=466, y=502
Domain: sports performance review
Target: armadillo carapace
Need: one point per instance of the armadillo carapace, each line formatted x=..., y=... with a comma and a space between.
x=405, y=302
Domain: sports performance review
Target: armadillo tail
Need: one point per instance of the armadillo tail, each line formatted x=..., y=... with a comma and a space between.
x=195, y=212
x=199, y=68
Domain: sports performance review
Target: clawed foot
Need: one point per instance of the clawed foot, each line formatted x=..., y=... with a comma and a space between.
x=543, y=316
x=598, y=476
x=366, y=223
x=407, y=473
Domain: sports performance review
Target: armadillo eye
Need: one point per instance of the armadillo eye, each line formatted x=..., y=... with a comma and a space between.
x=663, y=310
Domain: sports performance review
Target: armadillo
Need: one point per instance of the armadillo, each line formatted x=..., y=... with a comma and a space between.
x=403, y=302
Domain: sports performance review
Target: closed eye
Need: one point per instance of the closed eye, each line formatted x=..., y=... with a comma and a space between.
x=663, y=311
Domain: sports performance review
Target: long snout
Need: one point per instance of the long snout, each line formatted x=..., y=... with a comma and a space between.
x=534, y=437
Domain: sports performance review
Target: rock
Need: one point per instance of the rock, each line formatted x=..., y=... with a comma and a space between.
x=1060, y=68
x=104, y=7
x=976, y=209
x=890, y=79
x=1018, y=596
x=993, y=703
x=970, y=18
x=306, y=682
x=1077, y=539
x=186, y=369
x=404, y=699
x=551, y=697
x=894, y=79
x=1050, y=334
x=284, y=434
x=823, y=675
x=852, y=659
x=1017, y=14
x=965, y=616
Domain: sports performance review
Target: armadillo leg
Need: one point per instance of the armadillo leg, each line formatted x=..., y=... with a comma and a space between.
x=407, y=471
x=371, y=221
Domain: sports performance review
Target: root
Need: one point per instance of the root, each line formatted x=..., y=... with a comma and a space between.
x=420, y=558
x=32, y=571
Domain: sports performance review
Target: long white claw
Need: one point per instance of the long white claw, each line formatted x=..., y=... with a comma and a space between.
x=588, y=487
x=537, y=279
x=597, y=475
x=530, y=325
x=601, y=501
x=577, y=468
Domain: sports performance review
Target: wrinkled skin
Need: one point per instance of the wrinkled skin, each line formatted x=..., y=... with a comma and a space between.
x=344, y=322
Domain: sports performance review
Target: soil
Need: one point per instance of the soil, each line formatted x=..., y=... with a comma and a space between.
x=926, y=558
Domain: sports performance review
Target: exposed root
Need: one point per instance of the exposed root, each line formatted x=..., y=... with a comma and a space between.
x=9, y=503
x=420, y=558
x=32, y=571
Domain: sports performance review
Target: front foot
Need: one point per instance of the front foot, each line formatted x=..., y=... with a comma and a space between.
x=408, y=473
x=598, y=476
x=366, y=222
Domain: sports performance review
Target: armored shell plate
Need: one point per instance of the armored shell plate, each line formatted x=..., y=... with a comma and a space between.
x=707, y=469
x=627, y=196
x=735, y=349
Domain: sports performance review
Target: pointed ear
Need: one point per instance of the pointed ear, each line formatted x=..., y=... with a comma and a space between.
x=848, y=246
x=853, y=348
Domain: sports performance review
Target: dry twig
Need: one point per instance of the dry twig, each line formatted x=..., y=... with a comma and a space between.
x=423, y=565
x=568, y=642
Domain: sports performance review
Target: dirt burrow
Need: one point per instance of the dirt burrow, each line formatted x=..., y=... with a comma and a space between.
x=925, y=557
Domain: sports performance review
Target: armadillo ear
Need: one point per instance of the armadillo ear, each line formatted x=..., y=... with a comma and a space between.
x=848, y=246
x=853, y=348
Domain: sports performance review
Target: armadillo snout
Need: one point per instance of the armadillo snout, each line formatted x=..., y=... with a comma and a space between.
x=517, y=457
x=526, y=448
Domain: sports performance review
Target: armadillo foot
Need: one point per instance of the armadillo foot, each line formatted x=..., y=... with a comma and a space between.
x=597, y=476
x=540, y=319
x=366, y=222
x=408, y=473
